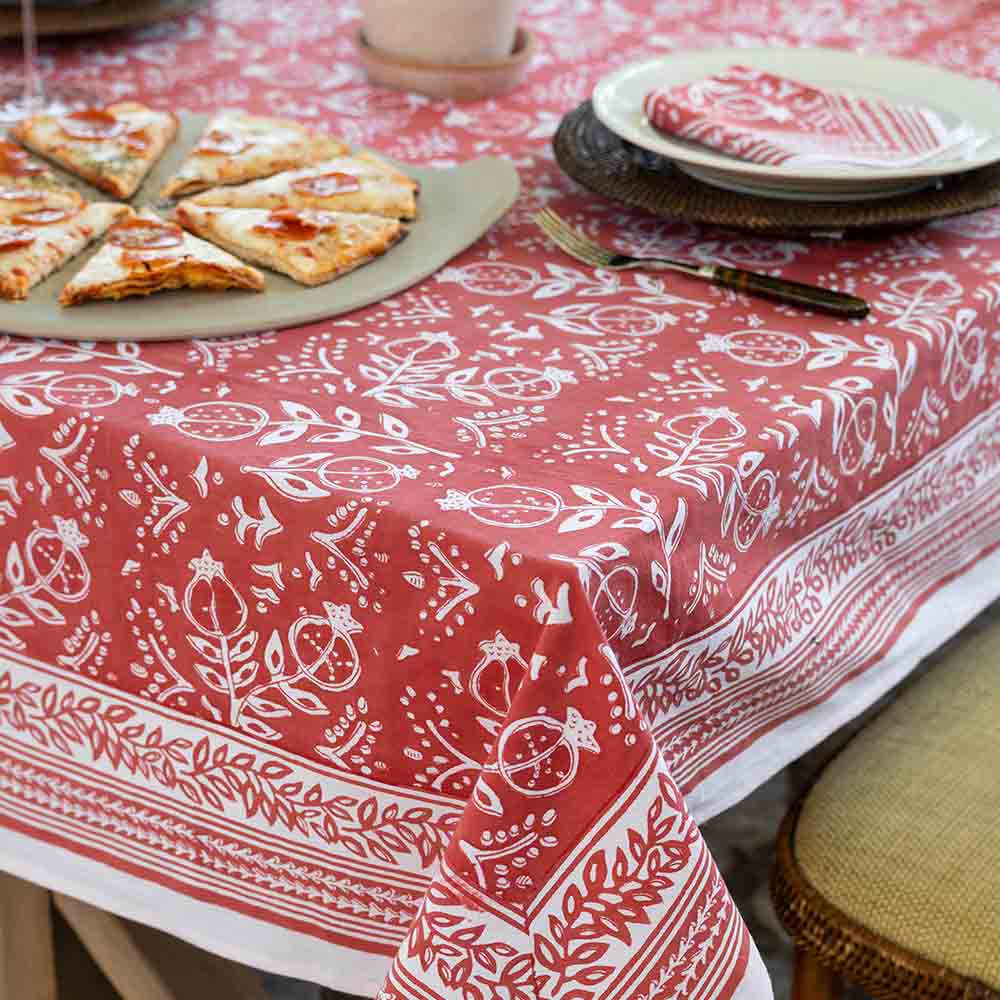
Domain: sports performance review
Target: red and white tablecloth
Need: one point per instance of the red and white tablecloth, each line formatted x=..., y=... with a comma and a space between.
x=411, y=646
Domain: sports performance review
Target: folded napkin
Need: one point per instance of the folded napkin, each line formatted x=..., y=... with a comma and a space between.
x=763, y=118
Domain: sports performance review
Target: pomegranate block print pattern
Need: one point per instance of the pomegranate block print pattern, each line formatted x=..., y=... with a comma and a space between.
x=768, y=119
x=404, y=652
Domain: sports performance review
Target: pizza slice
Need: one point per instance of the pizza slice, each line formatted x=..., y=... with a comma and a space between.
x=237, y=147
x=27, y=184
x=309, y=245
x=113, y=148
x=39, y=241
x=144, y=254
x=361, y=183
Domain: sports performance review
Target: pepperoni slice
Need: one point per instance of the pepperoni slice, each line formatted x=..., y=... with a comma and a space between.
x=137, y=139
x=286, y=224
x=15, y=237
x=20, y=194
x=144, y=234
x=15, y=162
x=326, y=185
x=92, y=124
x=220, y=143
x=42, y=217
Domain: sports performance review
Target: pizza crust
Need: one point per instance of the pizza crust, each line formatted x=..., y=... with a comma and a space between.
x=355, y=240
x=108, y=164
x=273, y=145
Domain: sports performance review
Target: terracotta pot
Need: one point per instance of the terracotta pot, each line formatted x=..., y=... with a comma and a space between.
x=449, y=81
x=453, y=32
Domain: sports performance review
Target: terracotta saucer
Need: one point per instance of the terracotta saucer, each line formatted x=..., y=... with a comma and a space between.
x=452, y=81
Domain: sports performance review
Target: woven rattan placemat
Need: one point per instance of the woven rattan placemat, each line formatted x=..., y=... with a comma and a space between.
x=610, y=166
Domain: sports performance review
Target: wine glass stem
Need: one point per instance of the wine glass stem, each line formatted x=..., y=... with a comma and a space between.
x=33, y=96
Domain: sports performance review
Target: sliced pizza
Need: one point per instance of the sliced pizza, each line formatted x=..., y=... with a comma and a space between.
x=144, y=254
x=309, y=245
x=37, y=242
x=361, y=183
x=113, y=148
x=237, y=147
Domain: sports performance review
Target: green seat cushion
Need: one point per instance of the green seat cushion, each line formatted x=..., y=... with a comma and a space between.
x=902, y=831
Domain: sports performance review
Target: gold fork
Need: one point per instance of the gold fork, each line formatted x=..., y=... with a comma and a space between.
x=790, y=292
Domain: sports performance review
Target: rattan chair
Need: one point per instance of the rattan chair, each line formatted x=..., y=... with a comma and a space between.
x=888, y=869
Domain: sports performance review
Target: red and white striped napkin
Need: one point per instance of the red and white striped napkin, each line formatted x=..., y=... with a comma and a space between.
x=768, y=119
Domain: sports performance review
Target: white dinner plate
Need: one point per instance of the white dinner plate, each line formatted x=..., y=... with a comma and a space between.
x=619, y=96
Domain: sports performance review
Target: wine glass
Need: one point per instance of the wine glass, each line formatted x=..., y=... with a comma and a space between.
x=32, y=96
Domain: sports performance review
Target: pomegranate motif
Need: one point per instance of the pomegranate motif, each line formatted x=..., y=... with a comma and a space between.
x=430, y=348
x=314, y=641
x=506, y=506
x=539, y=755
x=713, y=425
x=361, y=475
x=215, y=420
x=969, y=364
x=757, y=512
x=212, y=604
x=493, y=278
x=493, y=683
x=627, y=320
x=86, y=391
x=760, y=348
x=526, y=384
x=614, y=602
x=55, y=558
x=857, y=444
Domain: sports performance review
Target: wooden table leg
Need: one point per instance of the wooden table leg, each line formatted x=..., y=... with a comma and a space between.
x=812, y=981
x=29, y=969
x=112, y=948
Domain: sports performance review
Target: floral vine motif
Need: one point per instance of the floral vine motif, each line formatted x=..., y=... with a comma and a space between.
x=508, y=506
x=714, y=569
x=219, y=421
x=318, y=474
x=215, y=776
x=481, y=969
x=37, y=393
x=419, y=368
x=921, y=305
x=696, y=447
x=124, y=359
x=963, y=365
x=52, y=567
x=919, y=302
x=492, y=426
x=788, y=609
x=493, y=682
x=218, y=611
x=855, y=419
x=613, y=590
x=613, y=897
x=351, y=740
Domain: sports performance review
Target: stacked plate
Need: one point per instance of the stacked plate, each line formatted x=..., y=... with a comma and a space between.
x=957, y=100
